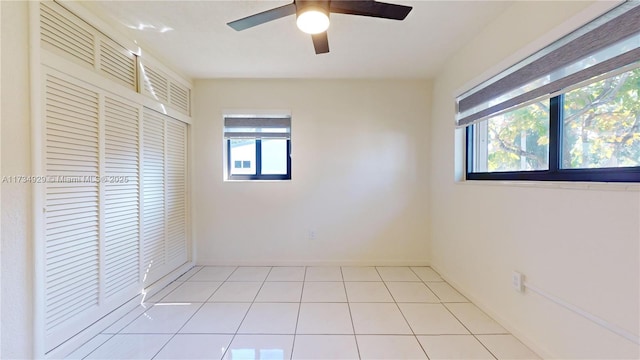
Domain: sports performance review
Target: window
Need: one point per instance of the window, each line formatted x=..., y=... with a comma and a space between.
x=520, y=126
x=258, y=148
x=599, y=136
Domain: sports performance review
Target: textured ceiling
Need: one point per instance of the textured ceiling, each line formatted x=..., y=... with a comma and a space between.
x=194, y=38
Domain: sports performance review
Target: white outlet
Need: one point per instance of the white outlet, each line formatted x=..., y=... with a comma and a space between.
x=313, y=234
x=517, y=280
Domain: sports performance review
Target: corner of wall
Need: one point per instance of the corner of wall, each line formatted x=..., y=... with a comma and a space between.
x=16, y=197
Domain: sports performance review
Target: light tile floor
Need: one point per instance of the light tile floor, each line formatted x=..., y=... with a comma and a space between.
x=306, y=313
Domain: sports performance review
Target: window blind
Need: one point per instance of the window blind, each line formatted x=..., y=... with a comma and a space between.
x=257, y=127
x=604, y=46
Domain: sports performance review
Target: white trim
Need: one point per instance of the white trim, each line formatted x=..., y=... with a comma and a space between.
x=192, y=247
x=254, y=113
x=58, y=63
x=276, y=262
x=556, y=185
x=1, y=203
x=37, y=195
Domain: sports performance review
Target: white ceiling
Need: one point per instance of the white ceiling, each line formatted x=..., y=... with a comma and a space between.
x=194, y=38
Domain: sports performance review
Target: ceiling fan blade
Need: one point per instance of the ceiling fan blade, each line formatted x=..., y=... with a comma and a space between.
x=321, y=43
x=263, y=17
x=370, y=8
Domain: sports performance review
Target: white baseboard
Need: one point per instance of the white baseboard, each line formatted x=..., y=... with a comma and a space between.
x=500, y=319
x=279, y=262
x=97, y=327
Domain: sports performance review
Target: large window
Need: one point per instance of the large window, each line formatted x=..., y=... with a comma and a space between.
x=570, y=112
x=597, y=136
x=258, y=148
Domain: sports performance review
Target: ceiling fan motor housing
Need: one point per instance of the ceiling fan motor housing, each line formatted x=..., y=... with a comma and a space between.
x=307, y=5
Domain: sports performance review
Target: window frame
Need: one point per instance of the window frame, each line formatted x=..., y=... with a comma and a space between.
x=258, y=175
x=555, y=171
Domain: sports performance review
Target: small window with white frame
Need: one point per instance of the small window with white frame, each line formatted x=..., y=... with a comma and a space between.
x=257, y=147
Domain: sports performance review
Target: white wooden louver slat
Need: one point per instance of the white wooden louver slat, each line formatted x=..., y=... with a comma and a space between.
x=118, y=63
x=180, y=97
x=71, y=240
x=153, y=181
x=155, y=84
x=63, y=33
x=121, y=203
x=176, y=191
x=67, y=35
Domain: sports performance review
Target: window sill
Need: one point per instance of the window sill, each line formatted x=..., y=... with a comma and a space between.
x=256, y=181
x=564, y=185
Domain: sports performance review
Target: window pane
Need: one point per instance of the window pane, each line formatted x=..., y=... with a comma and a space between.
x=602, y=124
x=243, y=156
x=514, y=141
x=274, y=156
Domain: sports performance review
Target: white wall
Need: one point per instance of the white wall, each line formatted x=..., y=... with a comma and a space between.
x=358, y=175
x=580, y=245
x=17, y=264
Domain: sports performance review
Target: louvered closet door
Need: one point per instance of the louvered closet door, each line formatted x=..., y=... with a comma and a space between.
x=121, y=197
x=72, y=216
x=164, y=194
x=153, y=215
x=176, y=169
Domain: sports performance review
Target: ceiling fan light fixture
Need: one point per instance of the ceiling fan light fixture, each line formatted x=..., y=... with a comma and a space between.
x=313, y=20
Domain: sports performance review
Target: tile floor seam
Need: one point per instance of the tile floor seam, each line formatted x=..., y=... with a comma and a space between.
x=192, y=275
x=248, y=309
x=463, y=324
x=192, y=315
x=353, y=326
x=96, y=348
x=485, y=346
x=403, y=315
x=137, y=316
x=295, y=331
x=470, y=332
x=434, y=293
x=187, y=321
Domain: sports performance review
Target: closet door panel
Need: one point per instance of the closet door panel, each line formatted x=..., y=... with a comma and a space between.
x=72, y=208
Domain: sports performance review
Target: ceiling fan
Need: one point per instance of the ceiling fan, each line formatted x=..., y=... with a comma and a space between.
x=313, y=16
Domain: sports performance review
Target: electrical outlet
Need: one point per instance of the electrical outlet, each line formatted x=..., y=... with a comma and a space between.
x=313, y=234
x=517, y=281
